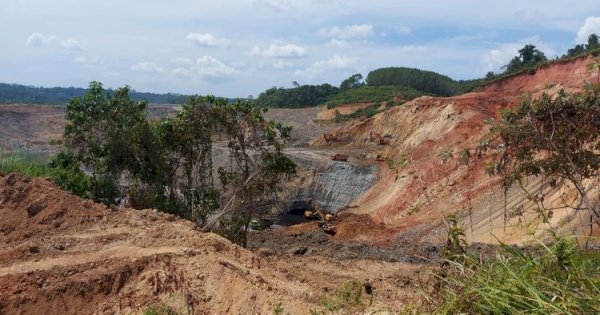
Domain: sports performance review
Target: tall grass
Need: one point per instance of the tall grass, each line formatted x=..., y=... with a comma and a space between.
x=63, y=171
x=11, y=163
x=557, y=279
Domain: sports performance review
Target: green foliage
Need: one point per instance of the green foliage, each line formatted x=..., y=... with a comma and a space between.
x=278, y=308
x=102, y=132
x=15, y=93
x=61, y=170
x=560, y=279
x=369, y=94
x=556, y=136
x=361, y=113
x=348, y=295
x=160, y=310
x=297, y=97
x=427, y=82
x=455, y=244
x=465, y=156
x=414, y=209
x=11, y=163
x=352, y=82
x=169, y=163
x=592, y=45
x=446, y=155
x=65, y=172
x=529, y=58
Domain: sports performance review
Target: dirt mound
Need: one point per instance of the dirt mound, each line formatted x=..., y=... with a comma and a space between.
x=61, y=254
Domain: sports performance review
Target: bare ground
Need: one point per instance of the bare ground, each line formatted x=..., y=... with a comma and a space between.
x=61, y=254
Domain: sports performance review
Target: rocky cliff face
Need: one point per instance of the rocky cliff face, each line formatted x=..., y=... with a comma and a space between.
x=341, y=183
x=327, y=184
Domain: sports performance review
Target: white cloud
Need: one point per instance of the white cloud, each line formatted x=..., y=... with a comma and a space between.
x=181, y=61
x=206, y=68
x=338, y=43
x=279, y=64
x=91, y=61
x=70, y=44
x=412, y=48
x=181, y=72
x=149, y=67
x=348, y=32
x=404, y=30
x=36, y=40
x=207, y=39
x=275, y=5
x=530, y=16
x=336, y=62
x=281, y=50
x=213, y=70
x=591, y=26
x=496, y=58
x=40, y=40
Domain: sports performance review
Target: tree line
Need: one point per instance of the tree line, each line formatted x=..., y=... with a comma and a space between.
x=22, y=94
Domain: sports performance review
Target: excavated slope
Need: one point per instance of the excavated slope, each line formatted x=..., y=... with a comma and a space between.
x=417, y=189
x=60, y=254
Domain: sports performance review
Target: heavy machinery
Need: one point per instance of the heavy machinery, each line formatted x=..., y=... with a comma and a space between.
x=376, y=137
x=340, y=157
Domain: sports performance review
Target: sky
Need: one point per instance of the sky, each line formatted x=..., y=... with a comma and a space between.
x=239, y=48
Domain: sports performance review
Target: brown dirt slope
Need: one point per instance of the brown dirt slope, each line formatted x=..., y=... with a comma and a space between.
x=419, y=189
x=60, y=254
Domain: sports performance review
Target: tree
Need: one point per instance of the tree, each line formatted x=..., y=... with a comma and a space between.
x=425, y=81
x=297, y=97
x=352, y=82
x=576, y=51
x=100, y=132
x=557, y=137
x=529, y=56
x=593, y=42
x=168, y=164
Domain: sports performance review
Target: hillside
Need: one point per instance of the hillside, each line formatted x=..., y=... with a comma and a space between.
x=418, y=189
x=61, y=254
x=427, y=82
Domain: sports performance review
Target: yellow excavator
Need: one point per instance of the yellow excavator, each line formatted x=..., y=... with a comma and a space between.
x=324, y=218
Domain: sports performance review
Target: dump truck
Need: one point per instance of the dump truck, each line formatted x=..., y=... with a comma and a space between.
x=340, y=157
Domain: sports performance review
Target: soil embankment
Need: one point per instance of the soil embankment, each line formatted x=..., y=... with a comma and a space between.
x=431, y=166
x=60, y=254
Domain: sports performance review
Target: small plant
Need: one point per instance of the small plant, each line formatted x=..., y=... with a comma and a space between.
x=278, y=308
x=465, y=156
x=446, y=155
x=160, y=310
x=349, y=294
x=455, y=244
x=414, y=209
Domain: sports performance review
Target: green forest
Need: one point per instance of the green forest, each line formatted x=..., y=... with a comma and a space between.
x=23, y=94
